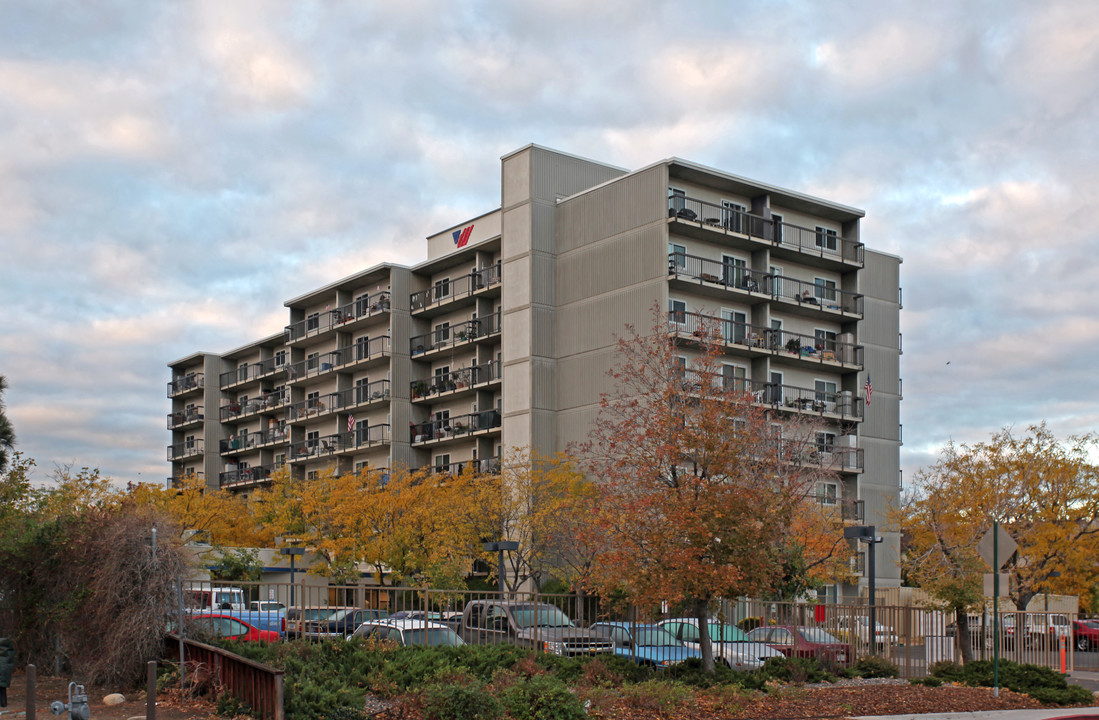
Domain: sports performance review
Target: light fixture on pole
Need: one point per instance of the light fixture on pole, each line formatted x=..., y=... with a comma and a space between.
x=501, y=547
x=865, y=534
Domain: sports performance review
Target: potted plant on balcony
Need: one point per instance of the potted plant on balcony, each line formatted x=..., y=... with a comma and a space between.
x=460, y=335
x=793, y=346
x=419, y=389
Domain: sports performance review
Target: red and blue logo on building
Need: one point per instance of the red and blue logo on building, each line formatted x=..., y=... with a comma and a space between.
x=461, y=237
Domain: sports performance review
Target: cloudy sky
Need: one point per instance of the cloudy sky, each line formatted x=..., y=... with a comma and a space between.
x=172, y=172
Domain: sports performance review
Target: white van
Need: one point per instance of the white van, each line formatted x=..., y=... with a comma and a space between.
x=217, y=598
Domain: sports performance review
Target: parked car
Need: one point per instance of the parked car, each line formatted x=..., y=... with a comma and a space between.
x=857, y=629
x=1085, y=633
x=649, y=645
x=298, y=617
x=1047, y=629
x=730, y=644
x=266, y=606
x=274, y=620
x=227, y=626
x=342, y=622
x=803, y=641
x=540, y=626
x=199, y=597
x=408, y=631
x=976, y=622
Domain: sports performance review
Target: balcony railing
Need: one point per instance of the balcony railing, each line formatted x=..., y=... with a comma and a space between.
x=328, y=445
x=186, y=449
x=253, y=440
x=186, y=383
x=455, y=380
x=376, y=391
x=247, y=476
x=842, y=404
x=176, y=481
x=484, y=466
x=780, y=343
x=829, y=456
x=320, y=323
x=454, y=426
x=185, y=417
x=456, y=334
x=739, y=278
x=818, y=242
x=460, y=287
x=373, y=349
x=252, y=372
x=235, y=409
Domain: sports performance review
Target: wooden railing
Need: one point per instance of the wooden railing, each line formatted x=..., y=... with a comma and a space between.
x=250, y=682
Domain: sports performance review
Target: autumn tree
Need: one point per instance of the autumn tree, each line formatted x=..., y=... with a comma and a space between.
x=215, y=515
x=700, y=485
x=1043, y=491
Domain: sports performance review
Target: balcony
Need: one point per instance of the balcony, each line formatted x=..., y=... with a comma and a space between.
x=445, y=295
x=353, y=357
x=755, y=341
x=186, y=449
x=463, y=333
x=247, y=441
x=458, y=426
x=831, y=457
x=456, y=383
x=192, y=416
x=253, y=372
x=483, y=466
x=345, y=318
x=718, y=278
x=703, y=219
x=247, y=476
x=351, y=398
x=266, y=403
x=186, y=384
x=177, y=480
x=840, y=405
x=331, y=445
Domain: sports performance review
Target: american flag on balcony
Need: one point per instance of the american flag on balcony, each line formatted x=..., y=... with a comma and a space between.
x=350, y=423
x=869, y=390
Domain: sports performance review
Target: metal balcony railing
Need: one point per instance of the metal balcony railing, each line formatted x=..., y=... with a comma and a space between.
x=842, y=404
x=484, y=466
x=177, y=480
x=253, y=440
x=253, y=371
x=235, y=409
x=455, y=380
x=376, y=391
x=185, y=417
x=456, y=334
x=780, y=343
x=320, y=323
x=186, y=449
x=456, y=288
x=739, y=278
x=186, y=383
x=364, y=437
x=247, y=476
x=818, y=242
x=454, y=426
x=374, y=348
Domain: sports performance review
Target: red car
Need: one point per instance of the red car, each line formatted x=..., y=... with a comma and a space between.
x=1085, y=633
x=803, y=641
x=227, y=626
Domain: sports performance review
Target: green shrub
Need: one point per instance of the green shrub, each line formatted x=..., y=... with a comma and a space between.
x=1042, y=683
x=460, y=701
x=795, y=670
x=542, y=697
x=929, y=681
x=1071, y=695
x=874, y=667
x=690, y=672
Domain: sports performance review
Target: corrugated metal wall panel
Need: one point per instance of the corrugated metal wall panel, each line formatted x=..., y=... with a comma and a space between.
x=544, y=385
x=880, y=276
x=572, y=426
x=635, y=257
x=583, y=378
x=555, y=175
x=632, y=202
x=543, y=339
x=592, y=323
x=543, y=276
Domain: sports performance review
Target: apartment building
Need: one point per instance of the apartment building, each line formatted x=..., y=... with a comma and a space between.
x=503, y=337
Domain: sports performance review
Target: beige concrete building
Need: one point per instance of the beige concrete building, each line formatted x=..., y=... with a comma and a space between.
x=503, y=336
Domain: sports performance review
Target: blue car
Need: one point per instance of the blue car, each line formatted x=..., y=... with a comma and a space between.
x=645, y=644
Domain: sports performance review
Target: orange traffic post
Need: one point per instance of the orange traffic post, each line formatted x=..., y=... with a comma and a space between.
x=1062, y=654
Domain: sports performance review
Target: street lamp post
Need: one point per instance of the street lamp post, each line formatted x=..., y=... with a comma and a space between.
x=865, y=534
x=293, y=552
x=501, y=547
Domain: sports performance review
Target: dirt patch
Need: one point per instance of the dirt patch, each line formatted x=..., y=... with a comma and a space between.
x=169, y=705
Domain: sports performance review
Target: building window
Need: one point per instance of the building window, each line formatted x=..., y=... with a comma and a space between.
x=676, y=200
x=732, y=216
x=312, y=321
x=242, y=372
x=442, y=463
x=825, y=393
x=678, y=311
x=736, y=326
x=312, y=439
x=776, y=227
x=311, y=361
x=825, y=442
x=734, y=378
x=280, y=358
x=827, y=238
x=362, y=347
x=826, y=289
x=441, y=289
x=825, y=339
x=827, y=493
x=679, y=256
x=311, y=475
x=442, y=332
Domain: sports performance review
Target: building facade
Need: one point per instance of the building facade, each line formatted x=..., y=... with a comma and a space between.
x=503, y=337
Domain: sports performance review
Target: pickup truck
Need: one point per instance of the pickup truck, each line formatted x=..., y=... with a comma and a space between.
x=539, y=626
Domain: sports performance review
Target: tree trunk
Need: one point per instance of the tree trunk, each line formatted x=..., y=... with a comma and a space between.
x=702, y=612
x=962, y=642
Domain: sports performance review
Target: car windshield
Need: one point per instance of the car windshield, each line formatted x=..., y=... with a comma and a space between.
x=432, y=636
x=542, y=616
x=338, y=615
x=653, y=637
x=726, y=633
x=816, y=635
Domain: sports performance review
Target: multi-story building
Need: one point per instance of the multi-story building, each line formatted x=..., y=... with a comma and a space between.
x=503, y=337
